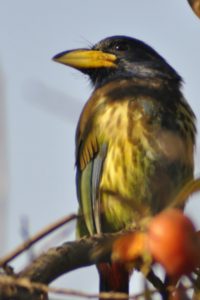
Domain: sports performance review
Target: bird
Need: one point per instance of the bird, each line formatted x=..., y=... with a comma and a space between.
x=135, y=140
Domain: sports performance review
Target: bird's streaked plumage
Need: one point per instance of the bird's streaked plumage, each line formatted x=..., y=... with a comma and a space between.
x=135, y=137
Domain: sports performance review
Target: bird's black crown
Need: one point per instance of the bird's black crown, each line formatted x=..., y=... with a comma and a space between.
x=134, y=59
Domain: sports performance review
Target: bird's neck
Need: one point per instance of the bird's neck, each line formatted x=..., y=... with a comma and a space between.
x=165, y=90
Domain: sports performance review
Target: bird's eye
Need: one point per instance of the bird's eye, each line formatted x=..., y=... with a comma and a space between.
x=121, y=46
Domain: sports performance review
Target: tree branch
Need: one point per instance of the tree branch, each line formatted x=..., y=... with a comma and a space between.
x=70, y=256
x=27, y=244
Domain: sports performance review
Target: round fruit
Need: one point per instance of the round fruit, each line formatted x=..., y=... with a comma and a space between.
x=173, y=242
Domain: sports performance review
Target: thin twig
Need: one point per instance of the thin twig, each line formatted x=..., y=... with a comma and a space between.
x=196, y=294
x=158, y=284
x=189, y=189
x=27, y=284
x=38, y=236
x=32, y=286
x=25, y=233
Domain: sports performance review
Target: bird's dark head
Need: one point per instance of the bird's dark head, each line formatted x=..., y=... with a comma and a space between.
x=118, y=57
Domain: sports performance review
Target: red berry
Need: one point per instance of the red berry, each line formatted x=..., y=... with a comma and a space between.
x=173, y=242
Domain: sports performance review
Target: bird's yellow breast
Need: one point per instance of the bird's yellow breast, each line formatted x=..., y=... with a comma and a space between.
x=118, y=162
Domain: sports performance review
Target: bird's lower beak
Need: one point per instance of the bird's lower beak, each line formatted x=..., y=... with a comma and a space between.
x=85, y=59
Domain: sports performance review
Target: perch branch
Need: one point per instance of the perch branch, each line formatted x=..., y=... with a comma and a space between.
x=70, y=256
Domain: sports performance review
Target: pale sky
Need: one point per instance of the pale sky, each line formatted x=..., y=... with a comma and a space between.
x=44, y=99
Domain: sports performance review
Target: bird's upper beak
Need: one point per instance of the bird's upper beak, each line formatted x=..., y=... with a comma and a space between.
x=86, y=59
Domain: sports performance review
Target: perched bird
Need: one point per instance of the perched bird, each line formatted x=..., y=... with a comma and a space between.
x=134, y=140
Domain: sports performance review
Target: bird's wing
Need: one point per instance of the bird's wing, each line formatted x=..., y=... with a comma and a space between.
x=96, y=176
x=90, y=157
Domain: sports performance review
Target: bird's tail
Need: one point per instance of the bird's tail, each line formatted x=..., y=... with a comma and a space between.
x=113, y=278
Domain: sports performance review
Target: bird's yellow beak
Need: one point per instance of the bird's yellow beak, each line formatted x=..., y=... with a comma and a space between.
x=85, y=59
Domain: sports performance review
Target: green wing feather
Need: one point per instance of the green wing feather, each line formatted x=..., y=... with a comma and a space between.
x=90, y=158
x=96, y=176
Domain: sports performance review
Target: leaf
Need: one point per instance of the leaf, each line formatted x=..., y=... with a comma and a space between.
x=195, y=5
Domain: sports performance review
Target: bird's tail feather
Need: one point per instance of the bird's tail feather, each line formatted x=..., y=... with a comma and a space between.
x=113, y=277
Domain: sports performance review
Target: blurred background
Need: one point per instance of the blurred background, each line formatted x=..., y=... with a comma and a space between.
x=40, y=103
